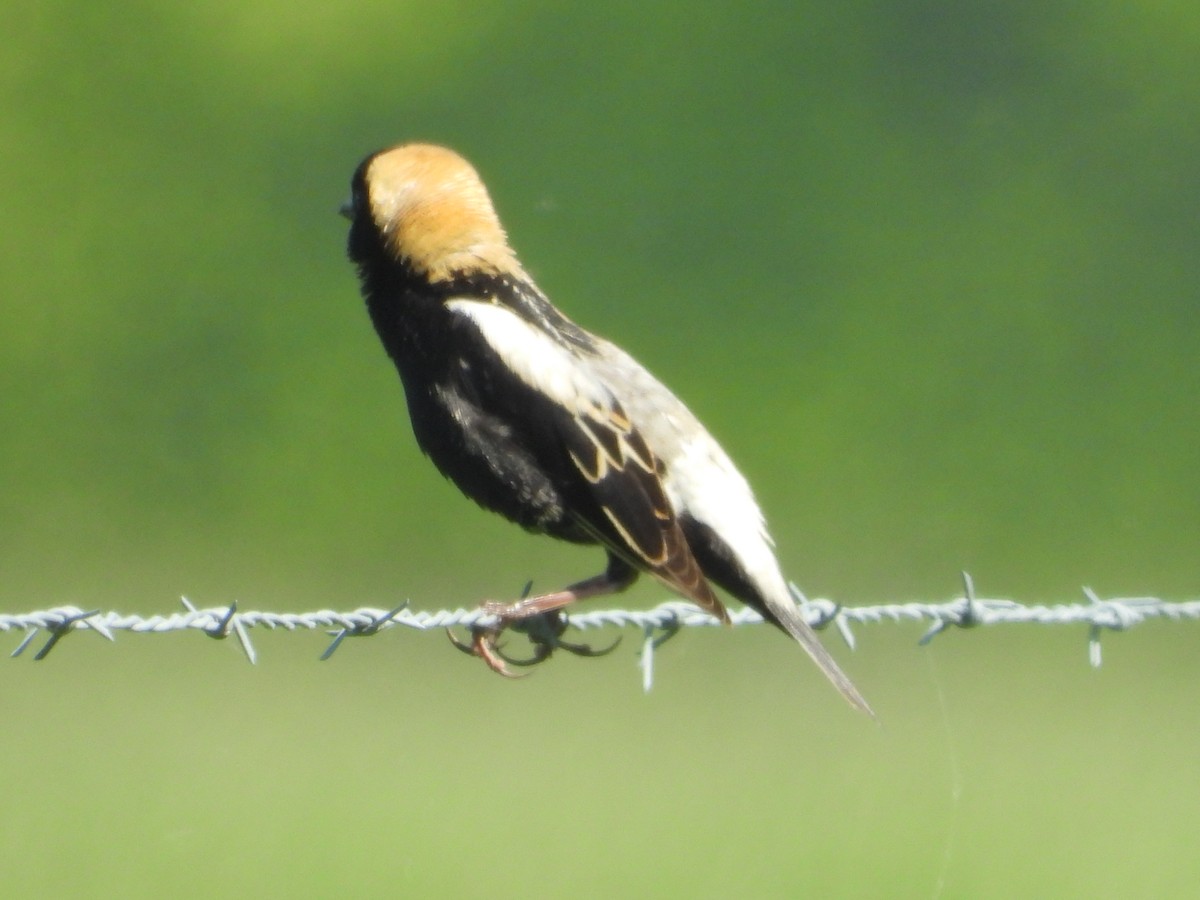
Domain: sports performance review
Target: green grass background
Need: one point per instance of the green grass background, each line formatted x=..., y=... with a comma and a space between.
x=929, y=270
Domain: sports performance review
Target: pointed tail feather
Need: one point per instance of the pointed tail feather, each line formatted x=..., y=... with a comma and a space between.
x=790, y=617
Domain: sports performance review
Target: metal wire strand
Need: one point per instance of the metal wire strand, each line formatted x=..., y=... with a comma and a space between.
x=657, y=624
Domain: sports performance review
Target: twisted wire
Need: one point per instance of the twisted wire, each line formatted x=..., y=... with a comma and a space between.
x=657, y=624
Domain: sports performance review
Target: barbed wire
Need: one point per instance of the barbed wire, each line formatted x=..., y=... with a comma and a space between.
x=657, y=624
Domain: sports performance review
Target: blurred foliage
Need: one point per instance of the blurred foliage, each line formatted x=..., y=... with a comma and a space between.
x=928, y=269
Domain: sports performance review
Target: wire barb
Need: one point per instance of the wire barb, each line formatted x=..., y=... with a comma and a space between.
x=225, y=623
x=59, y=623
x=363, y=629
x=821, y=613
x=654, y=636
x=967, y=617
x=1114, y=615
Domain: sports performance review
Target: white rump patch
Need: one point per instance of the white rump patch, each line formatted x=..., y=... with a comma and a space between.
x=702, y=480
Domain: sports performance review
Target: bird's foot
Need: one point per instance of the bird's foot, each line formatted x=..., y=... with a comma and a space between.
x=544, y=630
x=483, y=644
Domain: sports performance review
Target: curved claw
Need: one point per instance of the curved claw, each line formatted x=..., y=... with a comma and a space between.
x=486, y=649
x=465, y=648
x=483, y=645
x=588, y=649
x=541, y=653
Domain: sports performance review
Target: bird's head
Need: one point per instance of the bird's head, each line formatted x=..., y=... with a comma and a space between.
x=425, y=207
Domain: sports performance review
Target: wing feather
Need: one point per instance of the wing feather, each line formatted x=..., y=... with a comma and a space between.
x=623, y=476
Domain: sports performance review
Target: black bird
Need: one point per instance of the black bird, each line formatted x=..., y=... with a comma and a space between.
x=541, y=421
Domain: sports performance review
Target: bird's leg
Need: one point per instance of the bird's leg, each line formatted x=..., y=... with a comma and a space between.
x=544, y=603
x=616, y=578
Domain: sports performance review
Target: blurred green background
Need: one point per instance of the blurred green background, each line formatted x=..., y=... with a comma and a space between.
x=930, y=272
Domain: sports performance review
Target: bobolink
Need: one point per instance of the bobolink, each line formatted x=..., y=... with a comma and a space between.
x=541, y=421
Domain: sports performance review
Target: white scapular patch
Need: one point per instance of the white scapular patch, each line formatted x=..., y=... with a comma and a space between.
x=535, y=357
